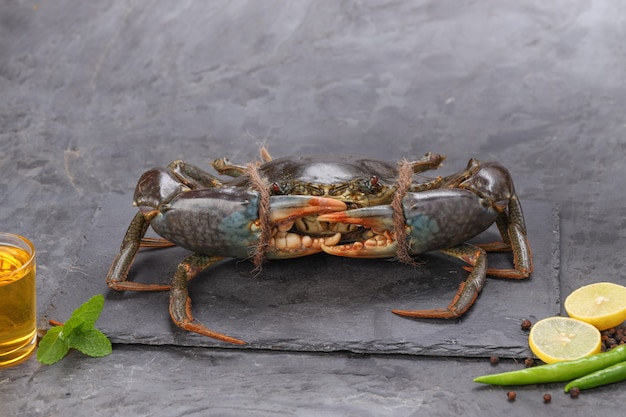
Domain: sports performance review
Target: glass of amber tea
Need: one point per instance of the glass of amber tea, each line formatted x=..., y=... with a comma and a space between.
x=18, y=305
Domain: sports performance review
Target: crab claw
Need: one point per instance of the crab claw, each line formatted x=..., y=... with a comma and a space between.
x=378, y=244
x=225, y=222
x=370, y=217
x=284, y=210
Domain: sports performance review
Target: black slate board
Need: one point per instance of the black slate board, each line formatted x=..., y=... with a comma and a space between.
x=319, y=303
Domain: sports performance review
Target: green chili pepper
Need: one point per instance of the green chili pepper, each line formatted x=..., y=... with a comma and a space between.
x=615, y=373
x=557, y=372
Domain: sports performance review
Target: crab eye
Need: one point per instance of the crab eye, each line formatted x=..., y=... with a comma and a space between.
x=276, y=188
x=370, y=186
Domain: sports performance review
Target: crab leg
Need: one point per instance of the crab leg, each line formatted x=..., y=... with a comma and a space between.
x=513, y=231
x=193, y=176
x=468, y=290
x=116, y=278
x=180, y=302
x=155, y=242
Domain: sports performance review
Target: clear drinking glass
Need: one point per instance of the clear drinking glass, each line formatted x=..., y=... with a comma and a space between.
x=18, y=303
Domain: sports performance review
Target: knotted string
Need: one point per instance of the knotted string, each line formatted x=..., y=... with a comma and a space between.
x=405, y=178
x=260, y=184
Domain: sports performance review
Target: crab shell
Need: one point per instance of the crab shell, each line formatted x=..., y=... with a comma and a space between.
x=358, y=182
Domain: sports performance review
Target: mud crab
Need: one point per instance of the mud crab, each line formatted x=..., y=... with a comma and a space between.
x=292, y=207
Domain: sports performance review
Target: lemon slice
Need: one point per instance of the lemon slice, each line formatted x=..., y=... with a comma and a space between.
x=602, y=304
x=557, y=339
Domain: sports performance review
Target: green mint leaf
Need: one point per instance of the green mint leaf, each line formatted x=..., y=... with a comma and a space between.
x=71, y=325
x=91, y=342
x=90, y=311
x=74, y=334
x=52, y=347
x=78, y=333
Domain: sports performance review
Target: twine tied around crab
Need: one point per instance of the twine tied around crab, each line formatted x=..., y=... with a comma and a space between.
x=260, y=184
x=403, y=183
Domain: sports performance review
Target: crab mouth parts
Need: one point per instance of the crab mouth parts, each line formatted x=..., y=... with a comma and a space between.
x=339, y=239
x=296, y=244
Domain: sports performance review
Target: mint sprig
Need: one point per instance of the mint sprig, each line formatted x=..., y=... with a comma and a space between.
x=77, y=333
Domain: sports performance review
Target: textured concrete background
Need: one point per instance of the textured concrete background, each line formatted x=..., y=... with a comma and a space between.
x=93, y=94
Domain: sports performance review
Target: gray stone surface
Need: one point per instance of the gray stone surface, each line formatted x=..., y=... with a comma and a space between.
x=95, y=93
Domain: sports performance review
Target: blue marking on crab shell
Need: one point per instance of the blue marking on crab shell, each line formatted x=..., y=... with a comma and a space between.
x=235, y=231
x=423, y=229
